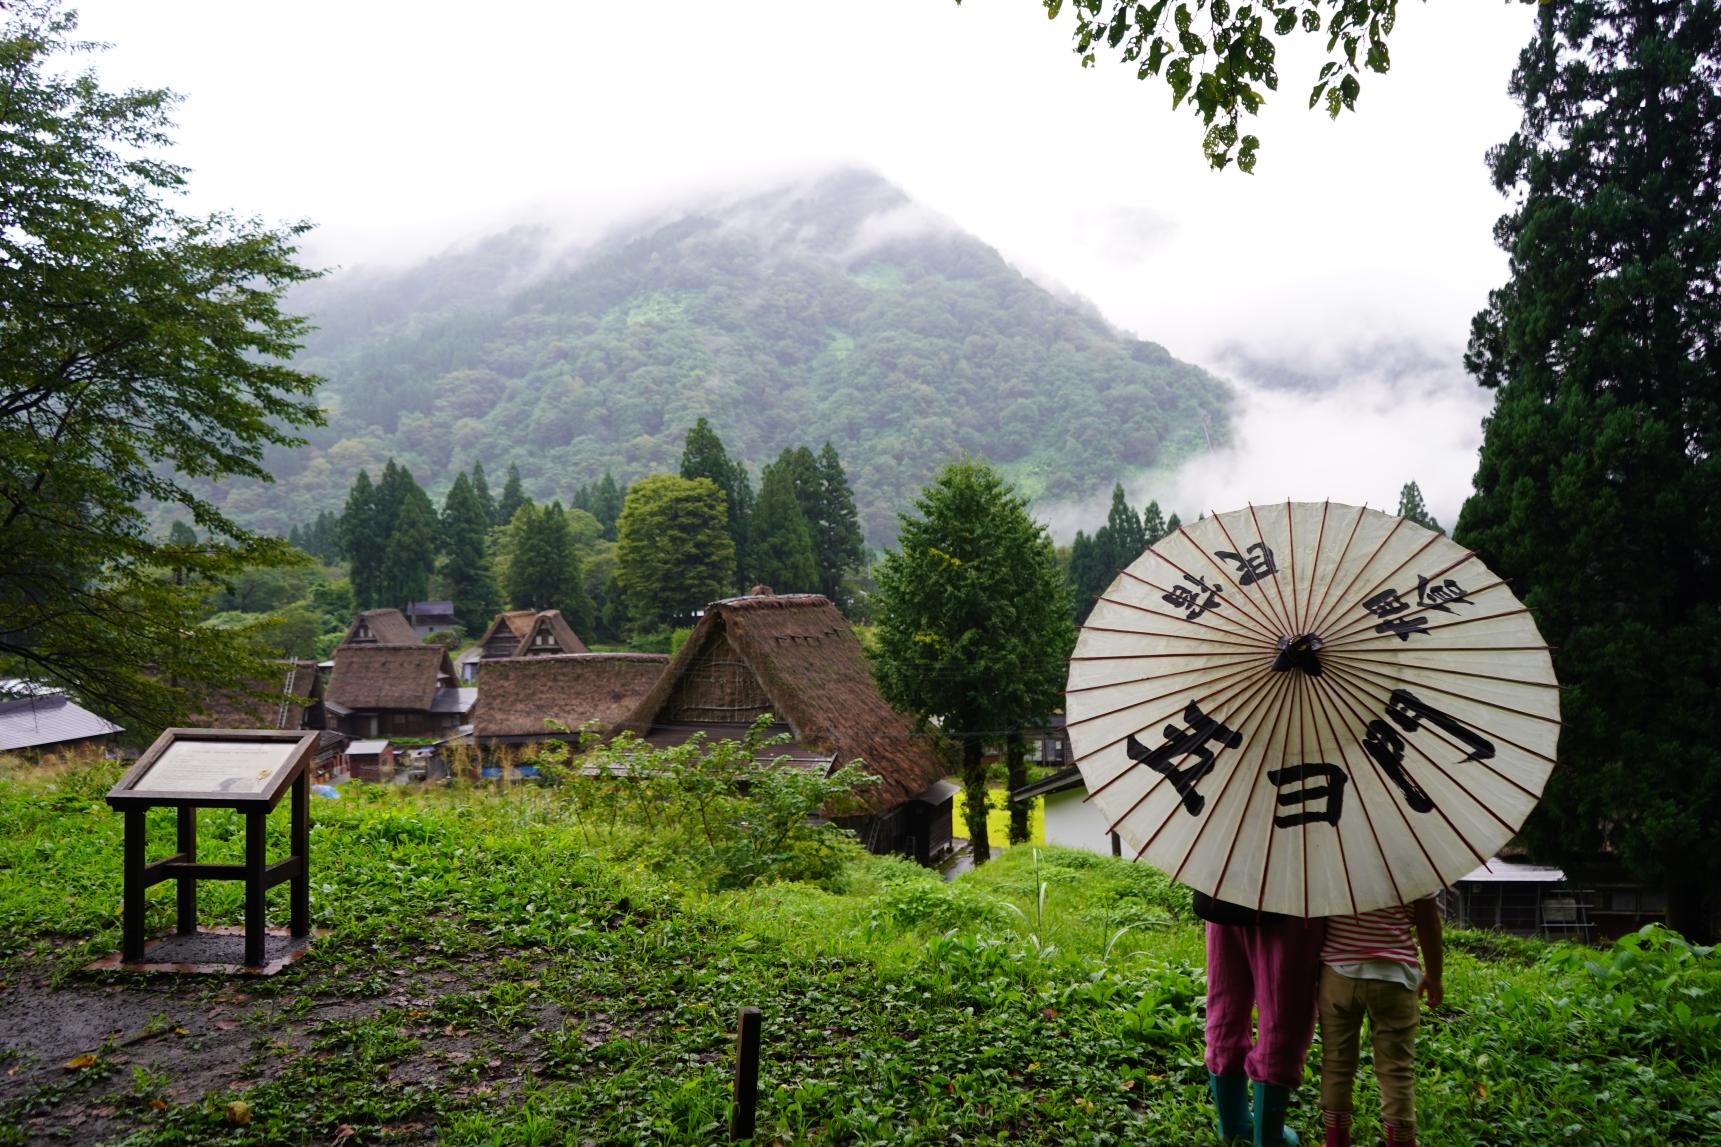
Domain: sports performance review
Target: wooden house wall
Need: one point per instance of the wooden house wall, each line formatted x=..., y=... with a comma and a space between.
x=368, y=723
x=502, y=643
x=717, y=688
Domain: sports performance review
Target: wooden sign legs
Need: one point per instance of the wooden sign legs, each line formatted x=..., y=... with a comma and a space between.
x=257, y=873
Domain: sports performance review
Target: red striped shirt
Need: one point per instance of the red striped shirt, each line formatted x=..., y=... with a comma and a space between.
x=1383, y=934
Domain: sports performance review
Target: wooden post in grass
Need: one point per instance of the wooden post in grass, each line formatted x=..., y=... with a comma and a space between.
x=746, y=1099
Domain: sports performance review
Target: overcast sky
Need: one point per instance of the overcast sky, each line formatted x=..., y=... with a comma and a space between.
x=402, y=129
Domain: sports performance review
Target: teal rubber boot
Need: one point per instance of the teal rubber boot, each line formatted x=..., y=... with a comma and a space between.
x=1271, y=1101
x=1231, y=1099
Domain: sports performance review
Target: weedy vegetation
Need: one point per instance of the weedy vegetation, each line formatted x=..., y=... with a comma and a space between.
x=563, y=964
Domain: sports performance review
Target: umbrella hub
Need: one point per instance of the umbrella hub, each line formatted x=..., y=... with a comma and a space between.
x=1299, y=653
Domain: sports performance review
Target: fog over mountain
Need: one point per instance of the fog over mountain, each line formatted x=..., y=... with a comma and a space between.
x=831, y=308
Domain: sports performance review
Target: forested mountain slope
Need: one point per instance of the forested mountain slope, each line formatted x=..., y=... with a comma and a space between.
x=832, y=310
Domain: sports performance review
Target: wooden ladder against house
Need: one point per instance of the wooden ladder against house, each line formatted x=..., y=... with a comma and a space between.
x=286, y=698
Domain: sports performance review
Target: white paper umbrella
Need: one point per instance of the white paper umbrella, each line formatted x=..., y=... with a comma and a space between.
x=1312, y=709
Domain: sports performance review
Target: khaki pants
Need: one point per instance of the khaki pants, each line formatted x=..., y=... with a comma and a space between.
x=1392, y=1014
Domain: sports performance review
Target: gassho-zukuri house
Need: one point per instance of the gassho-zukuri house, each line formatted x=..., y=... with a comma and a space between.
x=795, y=657
x=520, y=633
x=386, y=684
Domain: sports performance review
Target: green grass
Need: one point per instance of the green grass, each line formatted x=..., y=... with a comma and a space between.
x=498, y=975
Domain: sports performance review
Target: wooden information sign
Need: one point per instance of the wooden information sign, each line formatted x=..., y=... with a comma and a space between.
x=247, y=770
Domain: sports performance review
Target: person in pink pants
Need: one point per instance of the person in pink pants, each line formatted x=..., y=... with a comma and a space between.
x=1266, y=966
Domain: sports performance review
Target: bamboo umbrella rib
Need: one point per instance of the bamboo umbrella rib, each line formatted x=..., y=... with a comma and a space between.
x=1181, y=619
x=1414, y=554
x=1142, y=656
x=1266, y=602
x=1344, y=593
x=1354, y=674
x=1386, y=786
x=1251, y=628
x=1248, y=799
x=1431, y=629
x=1357, y=696
x=1256, y=646
x=1381, y=659
x=1338, y=565
x=1139, y=681
x=1218, y=799
x=1242, y=599
x=1259, y=702
x=1367, y=817
x=1302, y=755
x=1361, y=622
x=1339, y=666
x=1445, y=569
x=1257, y=668
x=1290, y=614
x=1092, y=753
x=1272, y=837
x=1305, y=608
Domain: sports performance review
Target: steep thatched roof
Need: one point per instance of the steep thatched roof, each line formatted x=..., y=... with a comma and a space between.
x=550, y=634
x=810, y=667
x=516, y=621
x=380, y=627
x=518, y=694
x=389, y=676
x=258, y=705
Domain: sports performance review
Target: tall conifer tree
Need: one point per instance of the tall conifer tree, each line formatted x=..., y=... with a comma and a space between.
x=486, y=501
x=466, y=557
x=838, y=545
x=363, y=543
x=1600, y=471
x=782, y=540
x=703, y=456
x=512, y=498
x=409, y=556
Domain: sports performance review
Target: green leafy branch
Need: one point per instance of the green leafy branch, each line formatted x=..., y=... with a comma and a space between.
x=1221, y=58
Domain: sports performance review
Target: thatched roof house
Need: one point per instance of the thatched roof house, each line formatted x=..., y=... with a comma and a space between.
x=506, y=632
x=522, y=633
x=794, y=656
x=521, y=693
x=269, y=703
x=549, y=636
x=380, y=627
x=395, y=689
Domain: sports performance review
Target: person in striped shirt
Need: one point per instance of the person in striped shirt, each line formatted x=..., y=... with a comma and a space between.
x=1369, y=968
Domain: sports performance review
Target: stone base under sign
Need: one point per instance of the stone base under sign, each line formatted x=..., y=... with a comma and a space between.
x=212, y=951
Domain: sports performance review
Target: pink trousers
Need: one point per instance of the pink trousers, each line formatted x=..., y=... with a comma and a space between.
x=1273, y=969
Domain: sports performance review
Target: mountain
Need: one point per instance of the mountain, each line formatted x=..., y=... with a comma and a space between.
x=836, y=309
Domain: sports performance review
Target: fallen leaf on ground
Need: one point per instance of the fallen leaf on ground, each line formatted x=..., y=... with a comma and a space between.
x=79, y=1062
x=239, y=1113
x=226, y=1025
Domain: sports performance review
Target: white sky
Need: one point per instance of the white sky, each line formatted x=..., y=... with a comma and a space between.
x=404, y=128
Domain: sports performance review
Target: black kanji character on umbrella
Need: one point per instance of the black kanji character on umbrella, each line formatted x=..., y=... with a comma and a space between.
x=1253, y=569
x=1182, y=597
x=1387, y=749
x=1403, y=627
x=1332, y=792
x=1385, y=603
x=1440, y=595
x=1185, y=743
x=1408, y=711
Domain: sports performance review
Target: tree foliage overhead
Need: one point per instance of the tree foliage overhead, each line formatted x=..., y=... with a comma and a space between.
x=1599, y=482
x=1222, y=59
x=834, y=311
x=973, y=619
x=142, y=355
